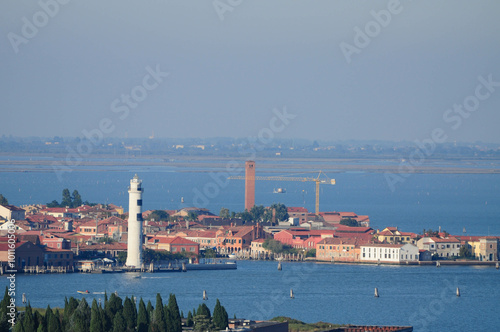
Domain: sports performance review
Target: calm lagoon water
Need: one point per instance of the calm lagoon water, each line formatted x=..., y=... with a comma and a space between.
x=409, y=295
x=452, y=201
x=420, y=296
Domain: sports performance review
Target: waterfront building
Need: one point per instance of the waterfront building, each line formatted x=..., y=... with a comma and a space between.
x=205, y=238
x=389, y=253
x=134, y=246
x=256, y=248
x=483, y=248
x=338, y=250
x=174, y=244
x=302, y=238
x=57, y=258
x=443, y=247
x=108, y=250
x=233, y=239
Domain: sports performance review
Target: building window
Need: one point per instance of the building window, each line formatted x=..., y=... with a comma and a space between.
x=191, y=249
x=139, y=202
x=139, y=217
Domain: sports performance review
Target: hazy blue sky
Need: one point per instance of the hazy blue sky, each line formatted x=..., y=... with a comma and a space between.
x=227, y=75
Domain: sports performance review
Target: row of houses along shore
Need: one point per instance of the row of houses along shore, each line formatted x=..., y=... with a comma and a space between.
x=59, y=239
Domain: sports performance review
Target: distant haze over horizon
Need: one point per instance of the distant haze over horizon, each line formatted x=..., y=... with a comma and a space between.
x=330, y=71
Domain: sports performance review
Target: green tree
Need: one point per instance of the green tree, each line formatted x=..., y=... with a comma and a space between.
x=3, y=200
x=150, y=310
x=5, y=303
x=158, y=215
x=274, y=246
x=202, y=323
x=29, y=321
x=192, y=216
x=142, y=318
x=129, y=313
x=76, y=199
x=245, y=216
x=66, y=198
x=53, y=204
x=175, y=316
x=465, y=252
x=159, y=321
x=258, y=212
x=54, y=325
x=96, y=318
x=19, y=327
x=224, y=213
x=220, y=318
x=203, y=310
x=40, y=323
x=281, y=212
x=311, y=253
x=349, y=222
x=189, y=320
x=119, y=323
x=80, y=320
x=112, y=306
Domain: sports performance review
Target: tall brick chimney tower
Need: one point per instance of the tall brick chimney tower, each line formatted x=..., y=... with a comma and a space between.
x=249, y=184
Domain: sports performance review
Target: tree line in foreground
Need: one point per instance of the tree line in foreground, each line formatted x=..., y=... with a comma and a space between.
x=115, y=315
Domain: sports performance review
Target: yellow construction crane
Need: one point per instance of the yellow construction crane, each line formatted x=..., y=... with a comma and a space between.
x=318, y=180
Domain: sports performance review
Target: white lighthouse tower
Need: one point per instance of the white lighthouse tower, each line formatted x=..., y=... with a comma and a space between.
x=134, y=246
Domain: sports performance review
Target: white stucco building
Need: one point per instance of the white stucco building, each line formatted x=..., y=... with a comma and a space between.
x=389, y=253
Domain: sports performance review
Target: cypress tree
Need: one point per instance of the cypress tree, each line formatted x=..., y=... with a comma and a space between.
x=96, y=321
x=225, y=318
x=53, y=322
x=175, y=316
x=39, y=320
x=5, y=302
x=189, y=320
x=29, y=321
x=69, y=308
x=19, y=327
x=217, y=319
x=150, y=310
x=203, y=310
x=130, y=314
x=168, y=319
x=80, y=320
x=112, y=306
x=119, y=323
x=142, y=318
x=160, y=322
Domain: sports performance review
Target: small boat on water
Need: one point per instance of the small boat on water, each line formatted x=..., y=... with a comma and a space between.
x=279, y=191
x=83, y=292
x=231, y=256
